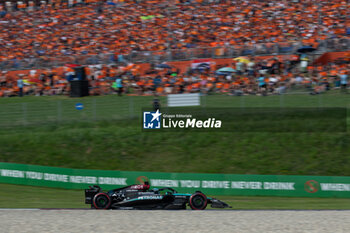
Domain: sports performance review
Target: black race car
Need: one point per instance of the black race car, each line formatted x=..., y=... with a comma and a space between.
x=139, y=196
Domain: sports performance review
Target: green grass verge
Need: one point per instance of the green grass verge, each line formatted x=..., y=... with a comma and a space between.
x=17, y=196
x=122, y=146
x=111, y=144
x=21, y=196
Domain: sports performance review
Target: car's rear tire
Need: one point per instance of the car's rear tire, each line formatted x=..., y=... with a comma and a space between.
x=101, y=201
x=198, y=201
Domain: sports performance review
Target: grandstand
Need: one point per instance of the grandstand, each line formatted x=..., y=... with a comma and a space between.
x=119, y=35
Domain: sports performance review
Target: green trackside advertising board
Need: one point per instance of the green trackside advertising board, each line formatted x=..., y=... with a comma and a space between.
x=211, y=184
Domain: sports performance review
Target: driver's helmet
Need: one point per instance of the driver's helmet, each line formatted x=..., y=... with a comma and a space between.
x=155, y=190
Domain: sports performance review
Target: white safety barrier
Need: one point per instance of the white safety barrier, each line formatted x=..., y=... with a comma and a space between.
x=180, y=100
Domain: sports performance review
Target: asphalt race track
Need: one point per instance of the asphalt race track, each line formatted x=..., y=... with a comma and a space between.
x=79, y=220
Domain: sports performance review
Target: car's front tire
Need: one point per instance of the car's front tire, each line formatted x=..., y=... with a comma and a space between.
x=198, y=201
x=101, y=201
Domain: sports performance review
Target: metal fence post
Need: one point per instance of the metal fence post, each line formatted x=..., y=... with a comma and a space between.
x=212, y=51
x=131, y=107
x=59, y=111
x=320, y=101
x=94, y=109
x=24, y=112
x=204, y=104
x=281, y=100
x=170, y=58
x=243, y=101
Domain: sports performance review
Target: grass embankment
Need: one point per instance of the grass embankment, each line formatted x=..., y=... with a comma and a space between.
x=120, y=145
x=16, y=196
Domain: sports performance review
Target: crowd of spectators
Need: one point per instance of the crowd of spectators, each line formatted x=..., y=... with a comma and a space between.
x=71, y=28
x=64, y=28
x=251, y=77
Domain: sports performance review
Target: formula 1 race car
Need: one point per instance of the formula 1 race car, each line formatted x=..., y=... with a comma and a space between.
x=141, y=197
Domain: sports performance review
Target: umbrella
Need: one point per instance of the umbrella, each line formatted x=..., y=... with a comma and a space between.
x=226, y=69
x=202, y=66
x=222, y=73
x=242, y=59
x=31, y=81
x=163, y=66
x=306, y=49
x=26, y=82
x=34, y=80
